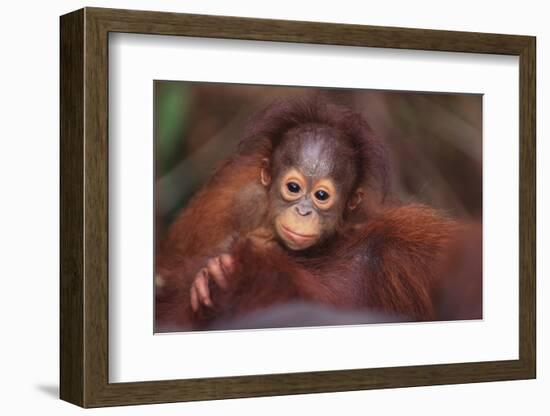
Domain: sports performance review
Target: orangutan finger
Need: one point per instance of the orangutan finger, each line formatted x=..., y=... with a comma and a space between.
x=227, y=262
x=194, y=299
x=216, y=272
x=201, y=283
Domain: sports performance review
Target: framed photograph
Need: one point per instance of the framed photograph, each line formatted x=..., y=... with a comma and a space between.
x=255, y=207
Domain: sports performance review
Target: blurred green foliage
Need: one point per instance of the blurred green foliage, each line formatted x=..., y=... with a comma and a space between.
x=172, y=104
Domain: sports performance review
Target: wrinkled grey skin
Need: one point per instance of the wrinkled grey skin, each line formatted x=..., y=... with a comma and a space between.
x=318, y=152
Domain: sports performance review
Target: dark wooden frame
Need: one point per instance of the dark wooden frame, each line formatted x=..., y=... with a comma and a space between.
x=84, y=207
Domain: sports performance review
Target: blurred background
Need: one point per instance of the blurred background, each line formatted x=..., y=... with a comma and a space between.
x=434, y=140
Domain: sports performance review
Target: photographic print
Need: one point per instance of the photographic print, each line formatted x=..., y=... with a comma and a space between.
x=289, y=206
x=327, y=196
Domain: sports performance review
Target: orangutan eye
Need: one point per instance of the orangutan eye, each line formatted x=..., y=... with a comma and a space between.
x=321, y=195
x=293, y=187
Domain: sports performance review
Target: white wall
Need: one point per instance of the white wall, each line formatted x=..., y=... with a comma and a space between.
x=29, y=209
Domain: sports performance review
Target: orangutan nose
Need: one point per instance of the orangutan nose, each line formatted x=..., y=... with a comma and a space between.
x=304, y=212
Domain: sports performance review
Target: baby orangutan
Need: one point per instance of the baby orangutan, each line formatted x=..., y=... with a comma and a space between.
x=309, y=185
x=290, y=218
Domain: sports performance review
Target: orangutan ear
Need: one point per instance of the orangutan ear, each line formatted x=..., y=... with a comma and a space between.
x=356, y=198
x=265, y=177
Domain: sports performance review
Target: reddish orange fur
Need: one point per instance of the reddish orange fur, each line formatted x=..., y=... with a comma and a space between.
x=387, y=261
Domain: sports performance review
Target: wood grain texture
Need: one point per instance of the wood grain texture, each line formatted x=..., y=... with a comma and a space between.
x=527, y=208
x=71, y=99
x=84, y=207
x=162, y=23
